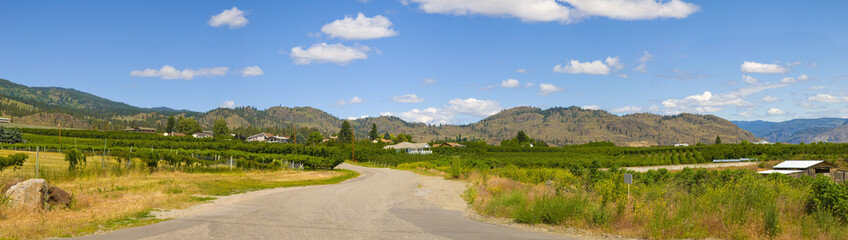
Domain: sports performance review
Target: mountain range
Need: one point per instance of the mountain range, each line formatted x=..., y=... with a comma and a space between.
x=50, y=106
x=799, y=130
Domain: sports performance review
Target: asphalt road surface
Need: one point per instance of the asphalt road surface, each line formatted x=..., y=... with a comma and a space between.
x=379, y=204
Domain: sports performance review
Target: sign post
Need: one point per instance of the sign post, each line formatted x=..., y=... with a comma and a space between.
x=628, y=179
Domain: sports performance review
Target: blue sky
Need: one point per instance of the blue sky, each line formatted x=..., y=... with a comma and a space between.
x=438, y=61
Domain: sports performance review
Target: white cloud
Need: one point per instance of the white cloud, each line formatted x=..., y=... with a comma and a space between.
x=251, y=71
x=595, y=67
x=510, y=83
x=169, y=72
x=775, y=111
x=709, y=102
x=360, y=28
x=755, y=67
x=355, y=118
x=529, y=84
x=228, y=104
x=628, y=109
x=565, y=11
x=521, y=70
x=428, y=81
x=816, y=87
x=353, y=100
x=827, y=98
x=548, y=89
x=793, y=63
x=232, y=17
x=623, y=75
x=801, y=78
x=770, y=99
x=591, y=107
x=643, y=62
x=448, y=113
x=750, y=80
x=408, y=98
x=334, y=53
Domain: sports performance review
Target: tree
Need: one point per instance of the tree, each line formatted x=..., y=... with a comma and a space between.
x=74, y=157
x=188, y=126
x=373, y=134
x=718, y=140
x=315, y=138
x=387, y=136
x=220, y=128
x=522, y=137
x=8, y=135
x=172, y=123
x=15, y=161
x=345, y=134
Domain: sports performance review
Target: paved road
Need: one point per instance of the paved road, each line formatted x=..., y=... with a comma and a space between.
x=379, y=204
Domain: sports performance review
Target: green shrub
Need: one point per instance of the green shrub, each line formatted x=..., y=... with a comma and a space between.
x=74, y=157
x=771, y=217
x=455, y=168
x=15, y=161
x=505, y=205
x=560, y=209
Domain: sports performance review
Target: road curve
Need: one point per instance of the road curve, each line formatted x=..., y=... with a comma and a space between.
x=379, y=204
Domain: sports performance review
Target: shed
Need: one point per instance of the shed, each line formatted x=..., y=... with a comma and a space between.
x=412, y=148
x=803, y=167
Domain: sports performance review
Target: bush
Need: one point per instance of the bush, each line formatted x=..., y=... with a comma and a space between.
x=74, y=157
x=455, y=168
x=15, y=161
x=830, y=197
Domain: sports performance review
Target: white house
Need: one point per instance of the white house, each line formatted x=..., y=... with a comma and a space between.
x=278, y=139
x=411, y=148
x=261, y=137
x=681, y=144
x=204, y=134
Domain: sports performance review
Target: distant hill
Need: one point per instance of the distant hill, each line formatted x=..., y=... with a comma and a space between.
x=799, y=130
x=47, y=106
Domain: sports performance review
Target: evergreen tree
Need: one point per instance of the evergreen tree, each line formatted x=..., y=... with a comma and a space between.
x=171, y=124
x=373, y=134
x=718, y=140
x=8, y=135
x=522, y=137
x=387, y=136
x=345, y=134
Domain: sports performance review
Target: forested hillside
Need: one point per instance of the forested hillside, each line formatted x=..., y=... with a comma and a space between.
x=799, y=130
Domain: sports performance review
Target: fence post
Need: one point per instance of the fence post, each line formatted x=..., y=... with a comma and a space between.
x=36, y=161
x=231, y=162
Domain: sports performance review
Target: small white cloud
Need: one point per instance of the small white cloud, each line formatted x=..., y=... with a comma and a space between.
x=643, y=62
x=591, y=107
x=627, y=109
x=360, y=28
x=789, y=64
x=228, y=104
x=353, y=100
x=614, y=63
x=755, y=67
x=529, y=84
x=746, y=114
x=816, y=87
x=827, y=98
x=428, y=82
x=750, y=80
x=510, y=83
x=408, y=98
x=521, y=70
x=623, y=75
x=548, y=89
x=770, y=99
x=448, y=113
x=169, y=72
x=803, y=77
x=775, y=111
x=333, y=53
x=595, y=67
x=251, y=71
x=355, y=118
x=232, y=17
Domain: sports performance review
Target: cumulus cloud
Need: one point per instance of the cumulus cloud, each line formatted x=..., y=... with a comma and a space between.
x=709, y=102
x=448, y=113
x=565, y=11
x=353, y=100
x=775, y=111
x=627, y=109
x=801, y=78
x=333, y=53
x=591, y=107
x=750, y=80
x=355, y=118
x=643, y=62
x=408, y=98
x=755, y=67
x=227, y=104
x=232, y=17
x=529, y=84
x=169, y=72
x=428, y=82
x=510, y=83
x=360, y=28
x=770, y=99
x=827, y=98
x=546, y=89
x=251, y=71
x=595, y=67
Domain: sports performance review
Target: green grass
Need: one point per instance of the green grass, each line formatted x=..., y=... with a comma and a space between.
x=132, y=220
x=227, y=187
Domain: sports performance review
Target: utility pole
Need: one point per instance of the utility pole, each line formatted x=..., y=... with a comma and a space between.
x=60, y=131
x=295, y=132
x=352, y=143
x=103, y=163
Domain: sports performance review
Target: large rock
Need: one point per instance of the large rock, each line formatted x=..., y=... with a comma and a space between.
x=9, y=183
x=30, y=194
x=58, y=196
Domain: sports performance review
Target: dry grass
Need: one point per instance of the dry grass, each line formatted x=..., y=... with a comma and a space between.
x=109, y=198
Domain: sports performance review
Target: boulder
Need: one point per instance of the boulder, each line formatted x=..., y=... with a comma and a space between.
x=9, y=183
x=30, y=194
x=58, y=196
